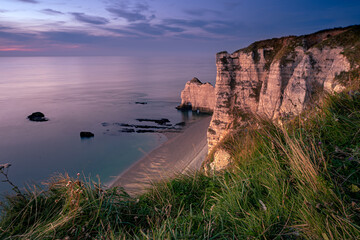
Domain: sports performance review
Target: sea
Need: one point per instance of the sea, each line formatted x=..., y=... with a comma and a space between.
x=95, y=94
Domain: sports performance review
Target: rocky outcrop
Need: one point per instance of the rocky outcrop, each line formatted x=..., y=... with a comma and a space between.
x=278, y=78
x=86, y=134
x=222, y=160
x=37, y=117
x=197, y=96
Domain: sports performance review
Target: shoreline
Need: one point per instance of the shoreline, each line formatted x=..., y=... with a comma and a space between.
x=182, y=152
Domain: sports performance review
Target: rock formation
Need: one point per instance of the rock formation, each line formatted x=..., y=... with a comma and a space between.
x=86, y=134
x=222, y=159
x=277, y=78
x=198, y=96
x=37, y=117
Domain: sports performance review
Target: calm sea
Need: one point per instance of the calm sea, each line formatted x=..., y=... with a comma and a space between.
x=84, y=94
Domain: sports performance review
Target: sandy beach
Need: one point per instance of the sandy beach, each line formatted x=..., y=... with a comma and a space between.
x=182, y=152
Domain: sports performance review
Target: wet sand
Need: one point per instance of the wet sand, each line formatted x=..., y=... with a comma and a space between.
x=183, y=152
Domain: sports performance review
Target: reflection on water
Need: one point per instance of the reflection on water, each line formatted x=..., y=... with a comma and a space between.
x=78, y=94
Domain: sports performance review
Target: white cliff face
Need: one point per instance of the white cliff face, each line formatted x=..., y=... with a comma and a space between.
x=201, y=96
x=278, y=86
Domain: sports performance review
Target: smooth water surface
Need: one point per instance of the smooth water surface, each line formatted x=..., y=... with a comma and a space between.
x=79, y=94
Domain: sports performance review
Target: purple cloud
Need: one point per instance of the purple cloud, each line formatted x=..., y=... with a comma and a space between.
x=128, y=15
x=82, y=17
x=51, y=11
x=28, y=1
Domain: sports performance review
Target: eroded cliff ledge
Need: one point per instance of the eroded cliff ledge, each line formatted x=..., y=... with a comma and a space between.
x=198, y=96
x=280, y=77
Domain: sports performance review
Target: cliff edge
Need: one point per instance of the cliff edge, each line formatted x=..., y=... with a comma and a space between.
x=281, y=77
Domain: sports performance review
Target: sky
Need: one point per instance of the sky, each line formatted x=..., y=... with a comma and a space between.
x=159, y=27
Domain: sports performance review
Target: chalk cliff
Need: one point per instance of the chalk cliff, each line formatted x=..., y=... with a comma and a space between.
x=279, y=78
x=198, y=96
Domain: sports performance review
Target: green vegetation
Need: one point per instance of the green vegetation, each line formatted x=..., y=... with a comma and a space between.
x=297, y=181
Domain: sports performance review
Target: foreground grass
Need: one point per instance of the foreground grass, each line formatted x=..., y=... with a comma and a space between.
x=299, y=181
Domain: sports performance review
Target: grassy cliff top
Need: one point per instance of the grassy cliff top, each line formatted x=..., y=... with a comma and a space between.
x=283, y=48
x=329, y=37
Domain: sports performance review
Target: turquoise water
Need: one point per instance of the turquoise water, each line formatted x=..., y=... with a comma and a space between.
x=79, y=94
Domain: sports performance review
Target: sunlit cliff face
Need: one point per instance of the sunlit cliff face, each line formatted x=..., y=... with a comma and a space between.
x=109, y=27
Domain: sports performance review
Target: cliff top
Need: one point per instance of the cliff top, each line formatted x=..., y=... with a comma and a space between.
x=195, y=80
x=280, y=48
x=329, y=37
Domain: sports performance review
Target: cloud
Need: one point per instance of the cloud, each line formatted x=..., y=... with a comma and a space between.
x=19, y=37
x=170, y=29
x=214, y=27
x=124, y=32
x=232, y=4
x=51, y=11
x=201, y=12
x=146, y=28
x=190, y=36
x=71, y=37
x=139, y=7
x=4, y=28
x=82, y=17
x=228, y=28
x=132, y=11
x=28, y=1
x=185, y=22
x=128, y=15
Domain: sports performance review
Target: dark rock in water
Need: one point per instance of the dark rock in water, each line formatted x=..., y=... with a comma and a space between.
x=143, y=103
x=37, y=117
x=154, y=127
x=123, y=124
x=86, y=134
x=105, y=124
x=158, y=121
x=145, y=131
x=165, y=126
x=127, y=130
x=180, y=124
x=184, y=107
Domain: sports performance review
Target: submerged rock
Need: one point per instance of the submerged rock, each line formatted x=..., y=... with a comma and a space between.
x=37, y=117
x=105, y=124
x=161, y=121
x=146, y=131
x=184, y=107
x=127, y=130
x=181, y=124
x=86, y=135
